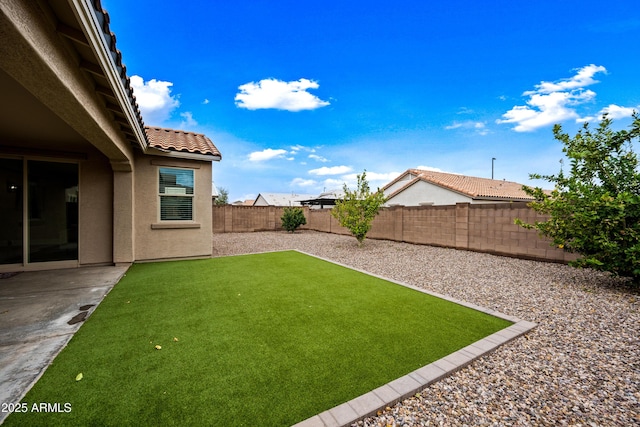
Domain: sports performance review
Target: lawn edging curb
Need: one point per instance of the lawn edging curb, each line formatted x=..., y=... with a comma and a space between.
x=414, y=382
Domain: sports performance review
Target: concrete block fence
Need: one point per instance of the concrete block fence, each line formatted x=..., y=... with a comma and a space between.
x=477, y=227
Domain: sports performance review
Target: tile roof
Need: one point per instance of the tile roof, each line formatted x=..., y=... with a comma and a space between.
x=181, y=141
x=474, y=187
x=104, y=19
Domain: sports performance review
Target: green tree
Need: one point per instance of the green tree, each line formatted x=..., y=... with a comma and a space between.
x=223, y=197
x=358, y=208
x=594, y=210
x=292, y=218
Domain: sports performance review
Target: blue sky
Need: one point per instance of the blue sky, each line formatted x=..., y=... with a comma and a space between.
x=301, y=96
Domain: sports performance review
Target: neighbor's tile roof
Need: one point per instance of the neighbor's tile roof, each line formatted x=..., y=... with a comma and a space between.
x=178, y=140
x=474, y=187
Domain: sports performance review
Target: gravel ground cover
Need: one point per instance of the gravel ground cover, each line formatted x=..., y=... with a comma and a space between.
x=579, y=367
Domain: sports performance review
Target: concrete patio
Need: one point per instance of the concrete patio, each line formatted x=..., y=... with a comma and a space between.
x=35, y=311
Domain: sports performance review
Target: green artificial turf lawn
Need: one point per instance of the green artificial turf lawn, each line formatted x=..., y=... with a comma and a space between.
x=268, y=339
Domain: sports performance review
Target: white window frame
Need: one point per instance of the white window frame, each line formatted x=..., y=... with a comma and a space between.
x=177, y=191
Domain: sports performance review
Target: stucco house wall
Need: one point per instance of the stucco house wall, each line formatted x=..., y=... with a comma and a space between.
x=95, y=215
x=67, y=99
x=397, y=184
x=155, y=239
x=426, y=193
x=416, y=187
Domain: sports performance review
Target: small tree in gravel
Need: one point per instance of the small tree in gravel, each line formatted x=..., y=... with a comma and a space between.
x=292, y=218
x=595, y=209
x=358, y=208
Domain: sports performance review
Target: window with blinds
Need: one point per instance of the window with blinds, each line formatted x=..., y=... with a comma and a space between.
x=176, y=194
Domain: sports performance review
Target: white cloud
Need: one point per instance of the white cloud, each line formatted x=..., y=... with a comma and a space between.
x=188, y=121
x=333, y=170
x=547, y=110
x=583, y=78
x=465, y=110
x=298, y=147
x=336, y=184
x=280, y=95
x=206, y=101
x=318, y=158
x=301, y=182
x=616, y=112
x=455, y=125
x=376, y=178
x=479, y=127
x=613, y=112
x=385, y=177
x=467, y=125
x=154, y=99
x=266, y=154
x=553, y=102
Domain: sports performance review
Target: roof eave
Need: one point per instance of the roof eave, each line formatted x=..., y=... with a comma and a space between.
x=403, y=188
x=183, y=155
x=86, y=14
x=398, y=179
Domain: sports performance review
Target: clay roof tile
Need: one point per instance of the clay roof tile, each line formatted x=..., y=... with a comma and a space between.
x=179, y=140
x=473, y=186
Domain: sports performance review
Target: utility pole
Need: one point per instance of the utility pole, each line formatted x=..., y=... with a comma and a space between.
x=493, y=159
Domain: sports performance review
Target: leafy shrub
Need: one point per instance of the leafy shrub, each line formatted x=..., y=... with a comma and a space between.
x=292, y=218
x=595, y=209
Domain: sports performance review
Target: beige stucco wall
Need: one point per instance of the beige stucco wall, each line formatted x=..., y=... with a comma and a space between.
x=170, y=239
x=54, y=111
x=96, y=210
x=398, y=184
x=424, y=192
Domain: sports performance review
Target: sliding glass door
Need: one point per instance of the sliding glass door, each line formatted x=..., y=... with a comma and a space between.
x=43, y=196
x=53, y=211
x=11, y=211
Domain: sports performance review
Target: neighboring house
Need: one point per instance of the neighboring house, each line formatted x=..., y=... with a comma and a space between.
x=416, y=187
x=82, y=180
x=326, y=199
x=247, y=202
x=280, y=199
